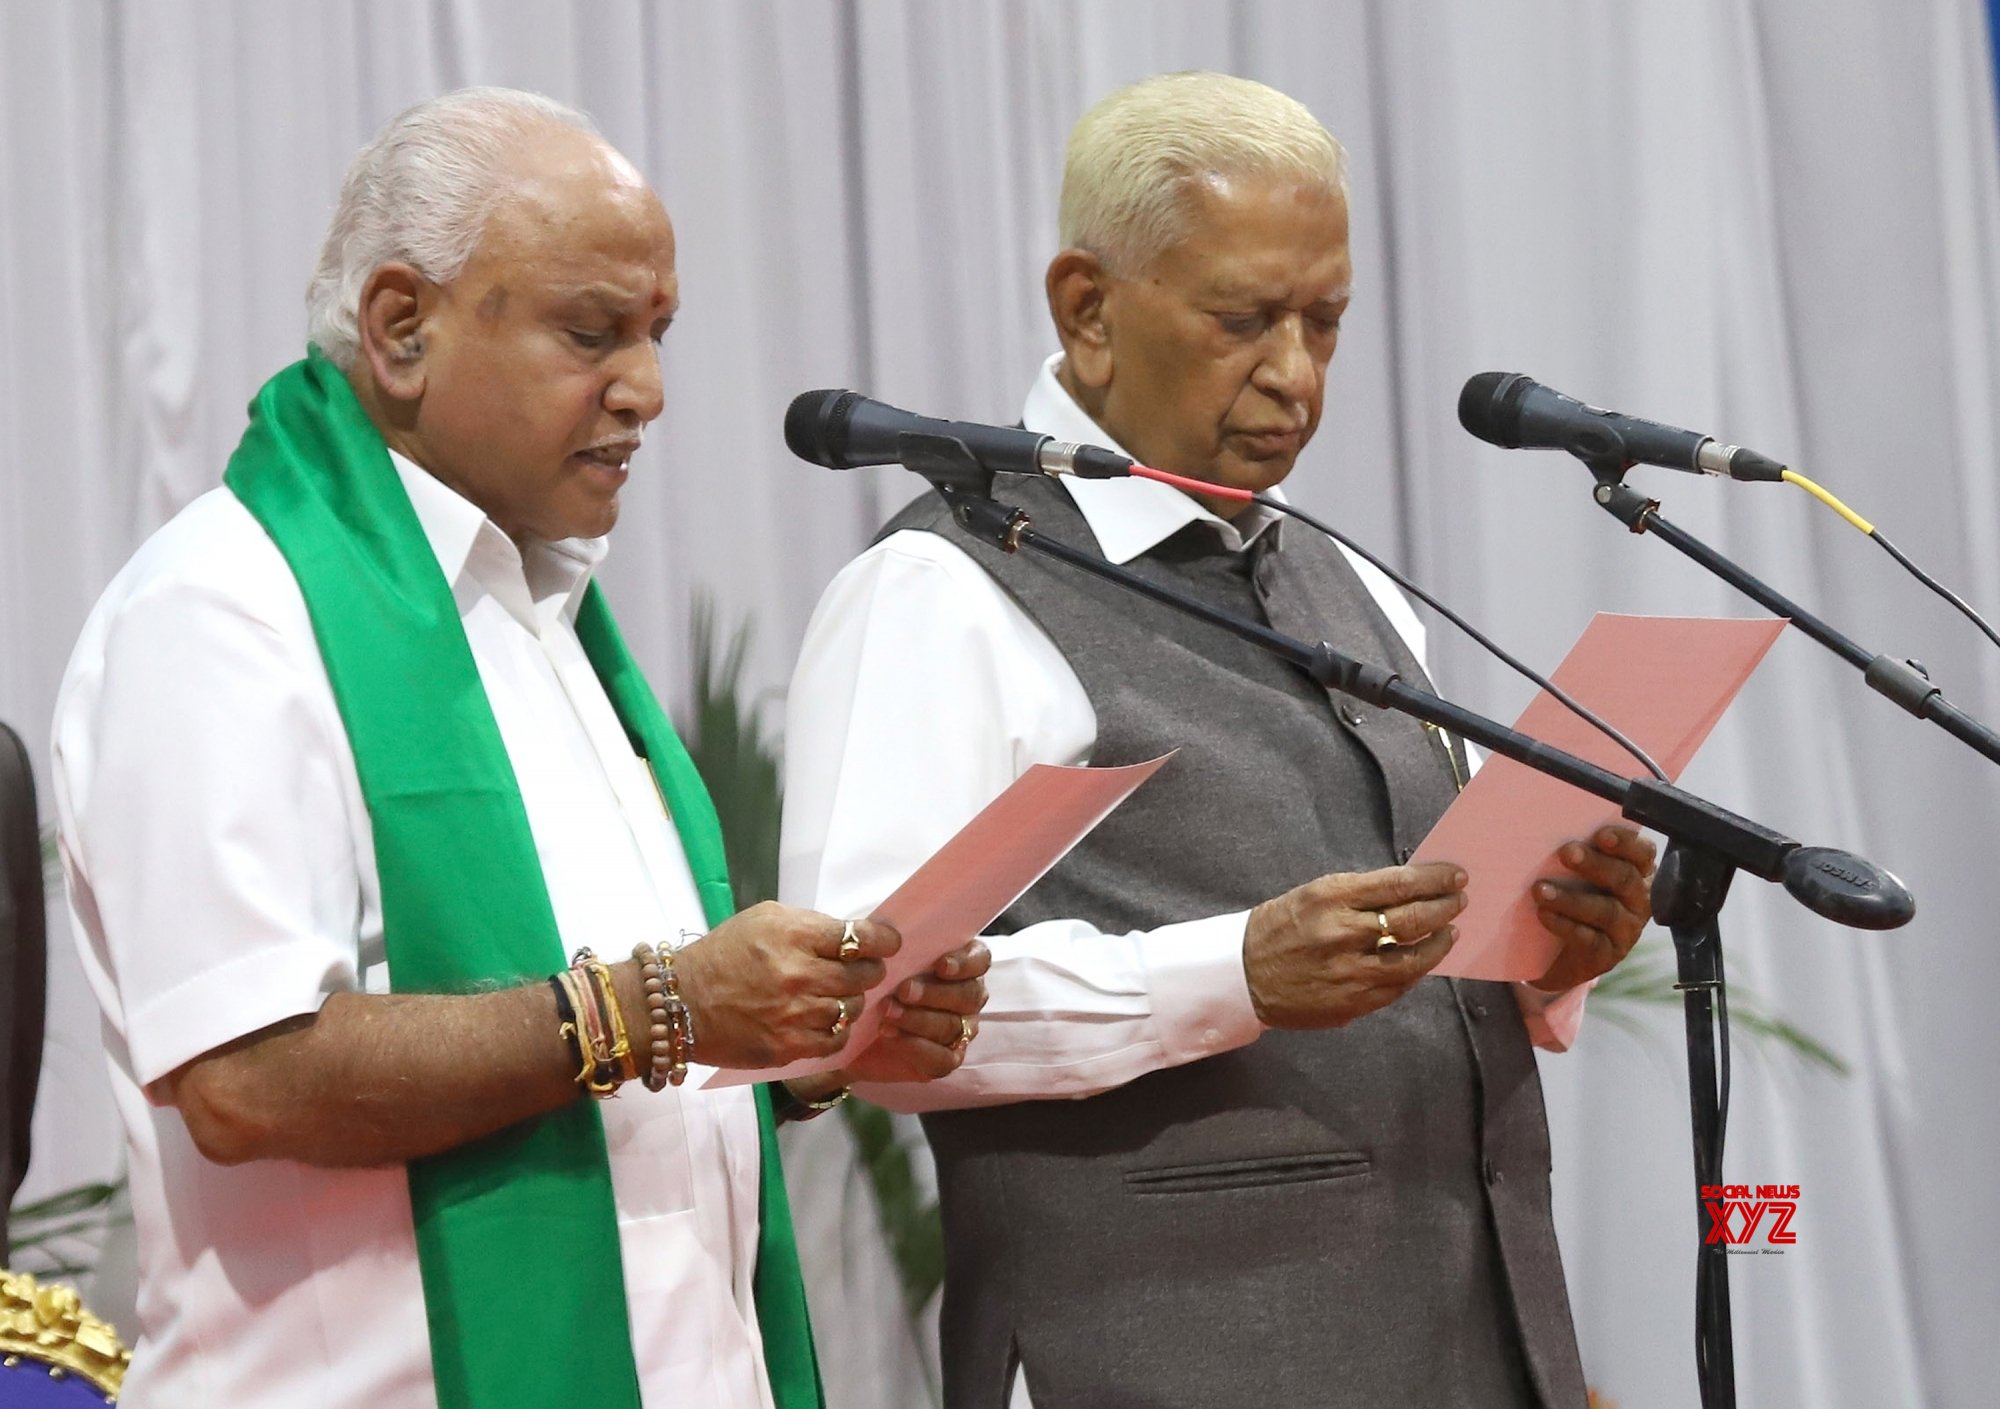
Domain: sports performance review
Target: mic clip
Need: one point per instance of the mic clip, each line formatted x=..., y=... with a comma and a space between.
x=1622, y=501
x=946, y=461
x=965, y=484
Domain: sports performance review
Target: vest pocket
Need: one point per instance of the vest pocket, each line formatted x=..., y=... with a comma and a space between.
x=1257, y=1173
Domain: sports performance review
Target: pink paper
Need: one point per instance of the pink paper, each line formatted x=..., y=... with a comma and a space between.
x=962, y=889
x=1664, y=681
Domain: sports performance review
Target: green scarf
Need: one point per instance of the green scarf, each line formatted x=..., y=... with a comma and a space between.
x=517, y=1234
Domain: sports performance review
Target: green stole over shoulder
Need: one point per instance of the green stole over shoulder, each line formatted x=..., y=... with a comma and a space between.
x=517, y=1234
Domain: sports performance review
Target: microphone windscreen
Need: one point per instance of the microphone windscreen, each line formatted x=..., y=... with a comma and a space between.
x=1490, y=407
x=816, y=426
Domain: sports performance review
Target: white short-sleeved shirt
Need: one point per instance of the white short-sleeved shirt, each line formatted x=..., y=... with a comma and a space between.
x=222, y=878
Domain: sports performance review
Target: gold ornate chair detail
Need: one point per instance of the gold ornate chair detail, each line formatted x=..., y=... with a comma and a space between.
x=53, y=1353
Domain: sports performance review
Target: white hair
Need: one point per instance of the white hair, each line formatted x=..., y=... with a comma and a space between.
x=1133, y=159
x=420, y=194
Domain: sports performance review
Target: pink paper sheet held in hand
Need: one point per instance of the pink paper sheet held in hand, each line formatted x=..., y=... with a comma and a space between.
x=1664, y=681
x=982, y=870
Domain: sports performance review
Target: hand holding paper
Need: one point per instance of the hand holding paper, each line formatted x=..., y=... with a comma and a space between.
x=1664, y=681
x=992, y=861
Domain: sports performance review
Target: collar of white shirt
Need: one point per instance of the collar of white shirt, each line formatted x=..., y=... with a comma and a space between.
x=537, y=587
x=1128, y=516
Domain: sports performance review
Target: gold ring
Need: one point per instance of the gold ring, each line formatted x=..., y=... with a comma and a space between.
x=850, y=942
x=965, y=1031
x=1388, y=938
x=841, y=1022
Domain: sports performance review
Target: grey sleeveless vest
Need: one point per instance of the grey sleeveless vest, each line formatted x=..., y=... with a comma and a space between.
x=1355, y=1217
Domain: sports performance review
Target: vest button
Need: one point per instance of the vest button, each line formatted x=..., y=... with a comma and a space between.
x=1350, y=716
x=1403, y=855
x=1478, y=1011
x=1491, y=1171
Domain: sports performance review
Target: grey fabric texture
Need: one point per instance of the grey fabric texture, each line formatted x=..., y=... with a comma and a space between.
x=1349, y=1217
x=23, y=966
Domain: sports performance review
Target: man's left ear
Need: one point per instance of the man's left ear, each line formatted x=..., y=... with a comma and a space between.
x=1076, y=289
x=395, y=305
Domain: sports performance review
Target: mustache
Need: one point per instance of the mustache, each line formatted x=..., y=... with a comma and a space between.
x=625, y=445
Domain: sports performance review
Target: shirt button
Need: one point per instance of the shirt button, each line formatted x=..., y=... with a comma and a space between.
x=1211, y=1037
x=1491, y=1171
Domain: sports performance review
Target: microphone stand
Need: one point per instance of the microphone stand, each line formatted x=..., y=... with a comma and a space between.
x=1708, y=844
x=1688, y=897
x=1901, y=681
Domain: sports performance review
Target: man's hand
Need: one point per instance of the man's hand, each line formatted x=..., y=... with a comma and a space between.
x=1312, y=955
x=1599, y=914
x=768, y=986
x=928, y=1022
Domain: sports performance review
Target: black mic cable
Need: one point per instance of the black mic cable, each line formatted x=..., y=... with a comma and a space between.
x=1570, y=702
x=1562, y=696
x=1827, y=498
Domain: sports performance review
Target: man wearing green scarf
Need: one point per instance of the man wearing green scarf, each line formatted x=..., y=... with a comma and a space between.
x=350, y=760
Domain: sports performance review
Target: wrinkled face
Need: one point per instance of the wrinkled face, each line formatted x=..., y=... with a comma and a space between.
x=540, y=361
x=1218, y=349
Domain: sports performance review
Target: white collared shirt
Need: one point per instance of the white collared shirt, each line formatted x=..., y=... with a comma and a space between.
x=921, y=692
x=222, y=876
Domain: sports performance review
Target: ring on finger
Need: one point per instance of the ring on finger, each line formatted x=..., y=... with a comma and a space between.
x=850, y=943
x=1387, y=939
x=843, y=1019
x=965, y=1031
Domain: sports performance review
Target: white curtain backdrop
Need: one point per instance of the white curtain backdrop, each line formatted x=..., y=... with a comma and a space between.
x=1777, y=219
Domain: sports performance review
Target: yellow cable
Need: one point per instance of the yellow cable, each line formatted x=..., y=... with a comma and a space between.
x=1794, y=477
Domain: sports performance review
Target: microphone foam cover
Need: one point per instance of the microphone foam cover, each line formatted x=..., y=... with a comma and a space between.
x=1489, y=406
x=816, y=426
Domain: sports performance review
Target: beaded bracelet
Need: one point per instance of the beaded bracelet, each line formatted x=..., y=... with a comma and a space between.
x=680, y=1019
x=661, y=1030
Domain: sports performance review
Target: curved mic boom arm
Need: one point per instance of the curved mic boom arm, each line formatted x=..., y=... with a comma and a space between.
x=1835, y=884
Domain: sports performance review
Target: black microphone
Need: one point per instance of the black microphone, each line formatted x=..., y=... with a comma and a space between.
x=1512, y=411
x=844, y=430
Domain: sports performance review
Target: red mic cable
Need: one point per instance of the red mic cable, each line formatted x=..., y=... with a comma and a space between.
x=1194, y=486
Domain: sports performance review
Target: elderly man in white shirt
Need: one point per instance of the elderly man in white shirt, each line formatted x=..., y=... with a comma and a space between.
x=1070, y=1011
x=348, y=1195
x=1204, y=1066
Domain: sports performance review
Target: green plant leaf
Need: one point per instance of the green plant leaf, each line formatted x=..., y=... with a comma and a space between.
x=63, y=1272
x=725, y=736
x=740, y=764
x=1646, y=980
x=910, y=1223
x=78, y=1228
x=51, y=863
x=83, y=1196
x=82, y=1212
